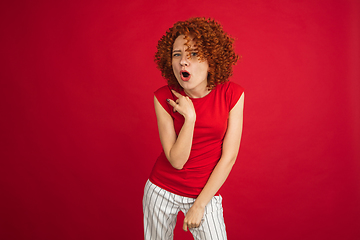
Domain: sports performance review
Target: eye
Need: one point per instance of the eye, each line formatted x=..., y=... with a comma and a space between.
x=194, y=54
x=176, y=55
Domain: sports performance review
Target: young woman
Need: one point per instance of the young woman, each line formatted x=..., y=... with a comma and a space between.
x=200, y=119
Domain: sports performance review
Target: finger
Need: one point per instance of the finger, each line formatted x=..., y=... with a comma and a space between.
x=193, y=225
x=176, y=93
x=171, y=102
x=185, y=226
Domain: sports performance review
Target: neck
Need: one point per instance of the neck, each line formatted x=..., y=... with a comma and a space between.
x=197, y=94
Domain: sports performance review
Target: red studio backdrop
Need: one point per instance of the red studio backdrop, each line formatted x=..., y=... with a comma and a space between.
x=79, y=134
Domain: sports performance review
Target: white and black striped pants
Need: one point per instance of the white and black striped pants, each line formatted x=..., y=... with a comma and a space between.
x=161, y=207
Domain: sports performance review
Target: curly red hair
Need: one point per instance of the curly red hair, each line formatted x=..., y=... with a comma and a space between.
x=211, y=43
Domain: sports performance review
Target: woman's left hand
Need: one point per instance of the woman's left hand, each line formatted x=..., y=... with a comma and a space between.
x=193, y=217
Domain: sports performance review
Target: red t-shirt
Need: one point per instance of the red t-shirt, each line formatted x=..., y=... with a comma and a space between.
x=212, y=112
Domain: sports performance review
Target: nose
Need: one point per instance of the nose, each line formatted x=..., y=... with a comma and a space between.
x=184, y=61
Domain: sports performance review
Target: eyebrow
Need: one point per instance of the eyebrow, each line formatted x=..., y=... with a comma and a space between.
x=176, y=50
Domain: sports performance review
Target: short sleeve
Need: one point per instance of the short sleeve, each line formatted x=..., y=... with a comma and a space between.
x=233, y=94
x=162, y=94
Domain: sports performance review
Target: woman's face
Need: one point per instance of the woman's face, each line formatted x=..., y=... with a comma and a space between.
x=190, y=72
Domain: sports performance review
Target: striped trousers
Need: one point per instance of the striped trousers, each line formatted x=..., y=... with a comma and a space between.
x=161, y=207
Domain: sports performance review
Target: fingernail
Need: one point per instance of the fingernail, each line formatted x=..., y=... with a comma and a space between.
x=168, y=100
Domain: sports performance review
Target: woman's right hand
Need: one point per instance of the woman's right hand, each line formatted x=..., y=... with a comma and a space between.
x=183, y=105
x=177, y=146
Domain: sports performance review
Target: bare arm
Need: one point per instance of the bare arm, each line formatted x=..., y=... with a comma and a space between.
x=230, y=151
x=176, y=148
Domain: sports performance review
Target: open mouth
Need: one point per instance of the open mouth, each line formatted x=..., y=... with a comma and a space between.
x=185, y=76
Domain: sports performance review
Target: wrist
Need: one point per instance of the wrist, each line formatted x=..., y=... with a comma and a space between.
x=190, y=118
x=199, y=204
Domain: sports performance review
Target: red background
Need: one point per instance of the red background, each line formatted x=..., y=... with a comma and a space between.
x=79, y=135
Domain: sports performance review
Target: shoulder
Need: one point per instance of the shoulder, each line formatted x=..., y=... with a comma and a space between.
x=232, y=92
x=163, y=90
x=230, y=88
x=162, y=94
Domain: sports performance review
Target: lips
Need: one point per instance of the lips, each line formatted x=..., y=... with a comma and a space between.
x=185, y=75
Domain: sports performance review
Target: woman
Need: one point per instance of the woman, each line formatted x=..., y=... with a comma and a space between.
x=200, y=118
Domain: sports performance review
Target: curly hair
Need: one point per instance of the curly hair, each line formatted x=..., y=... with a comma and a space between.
x=211, y=43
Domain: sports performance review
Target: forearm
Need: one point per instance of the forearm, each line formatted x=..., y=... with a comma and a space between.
x=180, y=151
x=216, y=180
x=230, y=151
